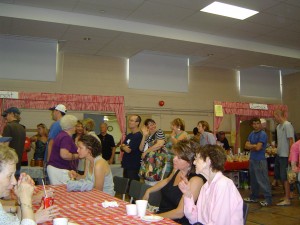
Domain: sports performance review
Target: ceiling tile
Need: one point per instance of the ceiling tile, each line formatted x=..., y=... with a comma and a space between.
x=293, y=27
x=64, y=5
x=115, y=4
x=270, y=20
x=285, y=10
x=191, y=4
x=160, y=14
x=7, y=1
x=5, y=25
x=258, y=5
x=252, y=27
x=293, y=2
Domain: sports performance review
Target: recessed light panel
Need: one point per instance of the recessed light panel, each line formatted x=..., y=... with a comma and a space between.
x=232, y=11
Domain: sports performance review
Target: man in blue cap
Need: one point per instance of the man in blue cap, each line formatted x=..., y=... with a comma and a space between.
x=15, y=130
x=4, y=140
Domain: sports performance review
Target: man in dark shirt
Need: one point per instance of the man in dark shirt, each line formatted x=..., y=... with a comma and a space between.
x=15, y=130
x=131, y=161
x=108, y=144
x=222, y=139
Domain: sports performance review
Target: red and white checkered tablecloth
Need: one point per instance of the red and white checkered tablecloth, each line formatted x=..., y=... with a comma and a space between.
x=85, y=208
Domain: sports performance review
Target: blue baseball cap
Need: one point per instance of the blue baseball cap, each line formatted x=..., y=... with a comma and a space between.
x=11, y=110
x=5, y=139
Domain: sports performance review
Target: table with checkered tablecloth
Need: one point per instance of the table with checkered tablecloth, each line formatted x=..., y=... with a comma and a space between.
x=86, y=208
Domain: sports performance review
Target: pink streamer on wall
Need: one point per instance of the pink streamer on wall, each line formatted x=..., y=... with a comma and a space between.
x=74, y=102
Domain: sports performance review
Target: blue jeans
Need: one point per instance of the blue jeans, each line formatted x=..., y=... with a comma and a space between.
x=259, y=180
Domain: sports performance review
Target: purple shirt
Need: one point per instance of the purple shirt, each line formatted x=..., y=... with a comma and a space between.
x=219, y=203
x=63, y=140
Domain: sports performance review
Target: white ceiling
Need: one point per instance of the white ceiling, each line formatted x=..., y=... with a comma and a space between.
x=123, y=28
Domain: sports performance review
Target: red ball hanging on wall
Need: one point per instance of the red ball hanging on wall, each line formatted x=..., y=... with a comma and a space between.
x=161, y=103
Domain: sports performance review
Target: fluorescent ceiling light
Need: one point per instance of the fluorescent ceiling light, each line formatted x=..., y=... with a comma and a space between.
x=232, y=11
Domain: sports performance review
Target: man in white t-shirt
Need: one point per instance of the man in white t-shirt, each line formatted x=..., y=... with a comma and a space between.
x=285, y=139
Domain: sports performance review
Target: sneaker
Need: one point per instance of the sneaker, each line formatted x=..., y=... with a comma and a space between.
x=264, y=203
x=284, y=203
x=250, y=200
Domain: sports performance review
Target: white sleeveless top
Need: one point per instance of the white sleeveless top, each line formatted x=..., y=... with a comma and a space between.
x=108, y=186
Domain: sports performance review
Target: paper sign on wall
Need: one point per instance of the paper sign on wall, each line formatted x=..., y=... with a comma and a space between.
x=9, y=94
x=219, y=110
x=258, y=106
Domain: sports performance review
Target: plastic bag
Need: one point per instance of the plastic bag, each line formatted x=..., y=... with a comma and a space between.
x=291, y=175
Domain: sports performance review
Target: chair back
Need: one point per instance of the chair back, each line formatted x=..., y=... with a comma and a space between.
x=154, y=197
x=135, y=190
x=121, y=185
x=144, y=189
x=245, y=211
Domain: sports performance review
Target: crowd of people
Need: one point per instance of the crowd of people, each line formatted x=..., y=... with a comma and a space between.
x=187, y=170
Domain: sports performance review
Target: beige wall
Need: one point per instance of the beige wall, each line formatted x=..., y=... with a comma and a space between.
x=291, y=97
x=81, y=74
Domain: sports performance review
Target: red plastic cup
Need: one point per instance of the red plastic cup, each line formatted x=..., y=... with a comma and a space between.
x=47, y=202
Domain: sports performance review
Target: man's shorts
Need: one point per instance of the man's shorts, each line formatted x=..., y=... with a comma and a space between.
x=280, y=170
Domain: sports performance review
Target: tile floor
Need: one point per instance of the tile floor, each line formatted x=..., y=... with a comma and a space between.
x=281, y=215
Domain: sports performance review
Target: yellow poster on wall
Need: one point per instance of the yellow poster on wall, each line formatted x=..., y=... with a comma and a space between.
x=219, y=110
x=232, y=137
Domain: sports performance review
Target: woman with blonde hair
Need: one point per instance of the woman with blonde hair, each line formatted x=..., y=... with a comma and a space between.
x=178, y=131
x=40, y=140
x=89, y=128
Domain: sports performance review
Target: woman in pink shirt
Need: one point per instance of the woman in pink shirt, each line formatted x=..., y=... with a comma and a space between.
x=219, y=201
x=295, y=157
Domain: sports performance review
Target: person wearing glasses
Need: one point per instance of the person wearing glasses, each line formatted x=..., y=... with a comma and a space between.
x=131, y=161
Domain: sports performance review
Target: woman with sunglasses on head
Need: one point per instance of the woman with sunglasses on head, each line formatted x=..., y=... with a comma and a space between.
x=97, y=169
x=171, y=205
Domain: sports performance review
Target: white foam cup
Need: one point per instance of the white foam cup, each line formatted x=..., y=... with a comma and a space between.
x=131, y=209
x=60, y=221
x=141, y=206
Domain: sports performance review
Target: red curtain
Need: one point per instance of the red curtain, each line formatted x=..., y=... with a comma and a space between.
x=73, y=102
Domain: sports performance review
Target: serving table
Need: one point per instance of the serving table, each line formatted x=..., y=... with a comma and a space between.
x=230, y=166
x=85, y=208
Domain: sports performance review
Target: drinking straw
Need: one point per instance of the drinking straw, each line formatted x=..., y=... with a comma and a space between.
x=44, y=188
